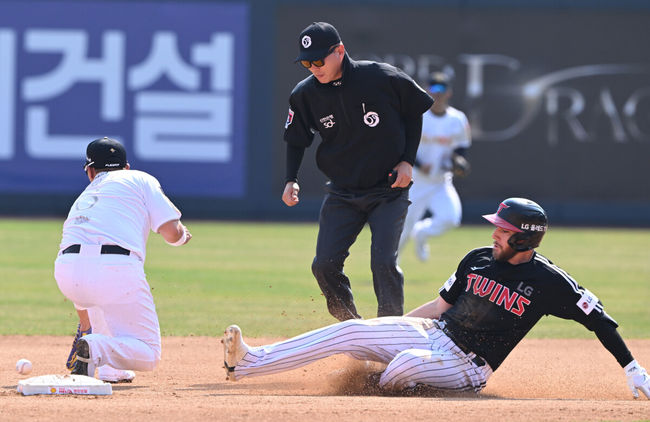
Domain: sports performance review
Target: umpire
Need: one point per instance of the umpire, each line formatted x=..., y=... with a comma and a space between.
x=369, y=116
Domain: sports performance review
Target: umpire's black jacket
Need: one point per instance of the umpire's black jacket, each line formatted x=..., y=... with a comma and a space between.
x=369, y=120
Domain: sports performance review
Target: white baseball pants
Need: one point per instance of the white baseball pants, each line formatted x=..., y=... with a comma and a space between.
x=416, y=351
x=126, y=333
x=441, y=199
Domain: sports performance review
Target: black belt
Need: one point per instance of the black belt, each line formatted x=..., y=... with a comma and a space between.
x=106, y=250
x=478, y=361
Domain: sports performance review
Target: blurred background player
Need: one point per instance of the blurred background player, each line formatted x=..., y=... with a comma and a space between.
x=441, y=156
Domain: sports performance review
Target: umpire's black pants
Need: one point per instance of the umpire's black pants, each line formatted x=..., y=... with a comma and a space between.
x=342, y=217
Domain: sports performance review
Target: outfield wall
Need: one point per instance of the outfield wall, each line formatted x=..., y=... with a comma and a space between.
x=557, y=93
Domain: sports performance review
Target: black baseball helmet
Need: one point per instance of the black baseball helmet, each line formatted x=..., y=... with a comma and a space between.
x=524, y=217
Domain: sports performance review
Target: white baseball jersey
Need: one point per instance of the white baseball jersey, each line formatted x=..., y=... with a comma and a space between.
x=435, y=191
x=441, y=135
x=118, y=208
x=416, y=350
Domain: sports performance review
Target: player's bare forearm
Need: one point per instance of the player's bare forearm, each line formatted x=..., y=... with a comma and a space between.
x=173, y=231
x=432, y=309
x=404, y=174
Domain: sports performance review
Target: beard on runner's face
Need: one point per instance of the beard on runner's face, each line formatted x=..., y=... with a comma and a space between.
x=502, y=253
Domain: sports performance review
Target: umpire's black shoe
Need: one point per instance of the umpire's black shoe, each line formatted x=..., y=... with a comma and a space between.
x=83, y=364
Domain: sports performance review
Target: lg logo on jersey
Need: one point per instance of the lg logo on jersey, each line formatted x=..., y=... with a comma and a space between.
x=587, y=302
x=499, y=294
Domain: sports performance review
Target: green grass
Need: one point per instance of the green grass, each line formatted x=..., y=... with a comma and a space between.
x=258, y=275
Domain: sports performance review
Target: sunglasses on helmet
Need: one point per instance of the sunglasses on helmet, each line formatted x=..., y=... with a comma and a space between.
x=320, y=62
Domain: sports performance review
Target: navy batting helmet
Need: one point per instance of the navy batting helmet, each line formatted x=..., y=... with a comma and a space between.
x=524, y=217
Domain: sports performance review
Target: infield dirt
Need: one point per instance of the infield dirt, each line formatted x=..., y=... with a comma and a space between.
x=542, y=380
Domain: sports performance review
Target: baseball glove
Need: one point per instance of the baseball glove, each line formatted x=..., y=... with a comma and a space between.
x=460, y=167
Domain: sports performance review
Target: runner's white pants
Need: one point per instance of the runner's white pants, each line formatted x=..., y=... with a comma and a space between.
x=126, y=333
x=416, y=351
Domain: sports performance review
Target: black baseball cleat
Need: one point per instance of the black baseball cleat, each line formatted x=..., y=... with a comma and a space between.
x=83, y=365
x=72, y=357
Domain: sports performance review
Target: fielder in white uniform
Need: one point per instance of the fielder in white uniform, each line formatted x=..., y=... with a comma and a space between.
x=445, y=140
x=100, y=266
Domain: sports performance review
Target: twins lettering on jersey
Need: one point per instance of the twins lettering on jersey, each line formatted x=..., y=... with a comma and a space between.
x=499, y=294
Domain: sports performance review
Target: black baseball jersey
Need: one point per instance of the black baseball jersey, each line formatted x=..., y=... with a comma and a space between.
x=496, y=303
x=361, y=119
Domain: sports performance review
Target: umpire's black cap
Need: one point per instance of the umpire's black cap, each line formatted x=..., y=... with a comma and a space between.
x=105, y=153
x=316, y=40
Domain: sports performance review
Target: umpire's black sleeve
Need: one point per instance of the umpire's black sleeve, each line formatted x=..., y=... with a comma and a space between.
x=294, y=159
x=413, y=130
x=611, y=339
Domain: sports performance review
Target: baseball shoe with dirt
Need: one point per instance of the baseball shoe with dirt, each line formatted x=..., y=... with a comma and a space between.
x=83, y=365
x=421, y=245
x=234, y=349
x=72, y=357
x=115, y=376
